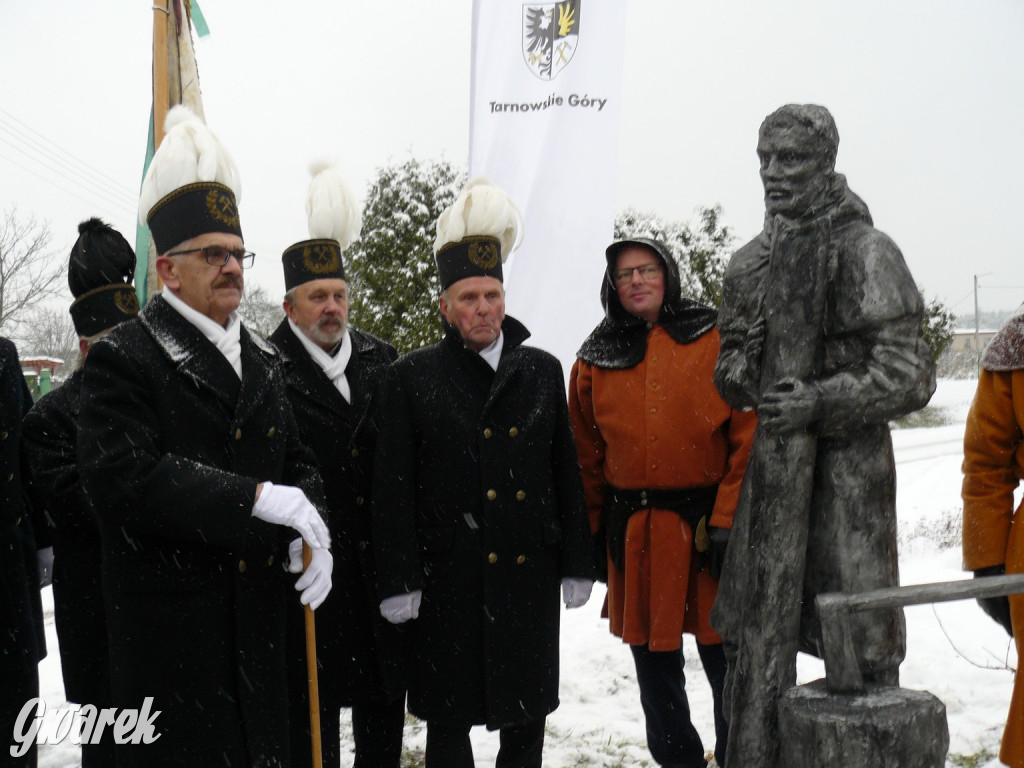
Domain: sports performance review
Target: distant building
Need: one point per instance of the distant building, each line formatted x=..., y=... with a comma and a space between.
x=969, y=341
x=38, y=373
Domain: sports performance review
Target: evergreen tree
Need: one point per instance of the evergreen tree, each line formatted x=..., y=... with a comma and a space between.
x=392, y=279
x=937, y=324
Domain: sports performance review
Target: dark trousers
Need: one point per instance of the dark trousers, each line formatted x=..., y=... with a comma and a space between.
x=376, y=729
x=449, y=746
x=671, y=737
x=100, y=755
x=17, y=687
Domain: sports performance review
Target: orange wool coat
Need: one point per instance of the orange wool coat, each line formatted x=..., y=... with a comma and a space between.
x=660, y=424
x=993, y=467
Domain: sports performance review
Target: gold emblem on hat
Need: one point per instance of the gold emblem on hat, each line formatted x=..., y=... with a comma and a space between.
x=484, y=255
x=126, y=301
x=320, y=259
x=221, y=206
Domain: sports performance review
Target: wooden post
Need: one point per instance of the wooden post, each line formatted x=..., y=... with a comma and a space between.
x=311, y=672
x=161, y=19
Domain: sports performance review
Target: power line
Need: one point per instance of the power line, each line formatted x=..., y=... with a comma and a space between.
x=54, y=165
x=84, y=185
x=90, y=203
x=103, y=194
x=95, y=175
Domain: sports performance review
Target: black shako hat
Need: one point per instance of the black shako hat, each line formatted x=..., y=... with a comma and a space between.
x=472, y=256
x=475, y=234
x=100, y=271
x=193, y=210
x=318, y=259
x=333, y=220
x=103, y=308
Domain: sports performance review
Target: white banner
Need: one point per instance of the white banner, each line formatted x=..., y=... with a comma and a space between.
x=544, y=125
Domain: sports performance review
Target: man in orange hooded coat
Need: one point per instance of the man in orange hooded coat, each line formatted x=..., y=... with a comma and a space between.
x=662, y=457
x=993, y=465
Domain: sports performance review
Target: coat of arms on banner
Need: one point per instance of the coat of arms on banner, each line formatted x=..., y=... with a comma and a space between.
x=550, y=34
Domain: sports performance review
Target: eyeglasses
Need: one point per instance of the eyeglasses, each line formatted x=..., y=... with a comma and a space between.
x=647, y=272
x=218, y=255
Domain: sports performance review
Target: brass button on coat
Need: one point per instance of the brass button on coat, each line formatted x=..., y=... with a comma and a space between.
x=520, y=495
x=521, y=559
x=360, y=501
x=492, y=494
x=238, y=434
x=241, y=566
x=355, y=453
x=513, y=432
x=487, y=432
x=492, y=558
x=270, y=560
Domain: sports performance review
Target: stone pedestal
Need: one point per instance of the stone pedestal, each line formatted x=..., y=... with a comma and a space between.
x=882, y=728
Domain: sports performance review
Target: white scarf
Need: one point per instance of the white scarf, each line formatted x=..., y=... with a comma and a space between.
x=227, y=340
x=334, y=366
x=492, y=352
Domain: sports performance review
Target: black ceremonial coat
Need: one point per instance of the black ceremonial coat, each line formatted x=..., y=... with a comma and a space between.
x=22, y=642
x=357, y=649
x=171, y=447
x=50, y=432
x=478, y=502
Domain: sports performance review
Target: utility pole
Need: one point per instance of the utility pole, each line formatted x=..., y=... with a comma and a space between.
x=976, y=313
x=977, y=339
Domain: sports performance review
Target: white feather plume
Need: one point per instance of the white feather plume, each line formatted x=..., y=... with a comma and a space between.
x=480, y=209
x=332, y=211
x=189, y=152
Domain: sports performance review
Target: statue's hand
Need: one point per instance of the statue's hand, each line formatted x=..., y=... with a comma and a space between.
x=789, y=406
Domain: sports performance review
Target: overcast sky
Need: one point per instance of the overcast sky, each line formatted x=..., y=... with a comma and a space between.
x=928, y=96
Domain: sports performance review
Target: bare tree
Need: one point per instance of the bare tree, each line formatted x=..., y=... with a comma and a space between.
x=29, y=270
x=260, y=313
x=49, y=332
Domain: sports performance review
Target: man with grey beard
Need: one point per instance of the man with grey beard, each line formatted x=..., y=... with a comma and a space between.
x=333, y=371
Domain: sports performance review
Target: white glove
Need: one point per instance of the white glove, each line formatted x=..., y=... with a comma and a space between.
x=398, y=609
x=295, y=556
x=287, y=505
x=576, y=592
x=44, y=559
x=315, y=583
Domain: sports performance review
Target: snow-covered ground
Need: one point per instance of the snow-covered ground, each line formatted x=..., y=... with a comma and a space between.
x=954, y=650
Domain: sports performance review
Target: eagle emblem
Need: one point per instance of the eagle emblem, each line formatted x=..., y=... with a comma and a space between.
x=550, y=36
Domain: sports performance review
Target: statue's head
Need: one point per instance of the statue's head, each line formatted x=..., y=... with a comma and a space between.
x=797, y=147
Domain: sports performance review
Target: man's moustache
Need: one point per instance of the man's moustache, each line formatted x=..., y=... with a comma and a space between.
x=224, y=282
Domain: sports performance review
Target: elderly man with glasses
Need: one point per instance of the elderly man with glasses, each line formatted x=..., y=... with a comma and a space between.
x=190, y=455
x=663, y=457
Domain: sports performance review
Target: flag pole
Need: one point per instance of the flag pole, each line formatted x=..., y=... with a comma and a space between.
x=161, y=19
x=311, y=672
